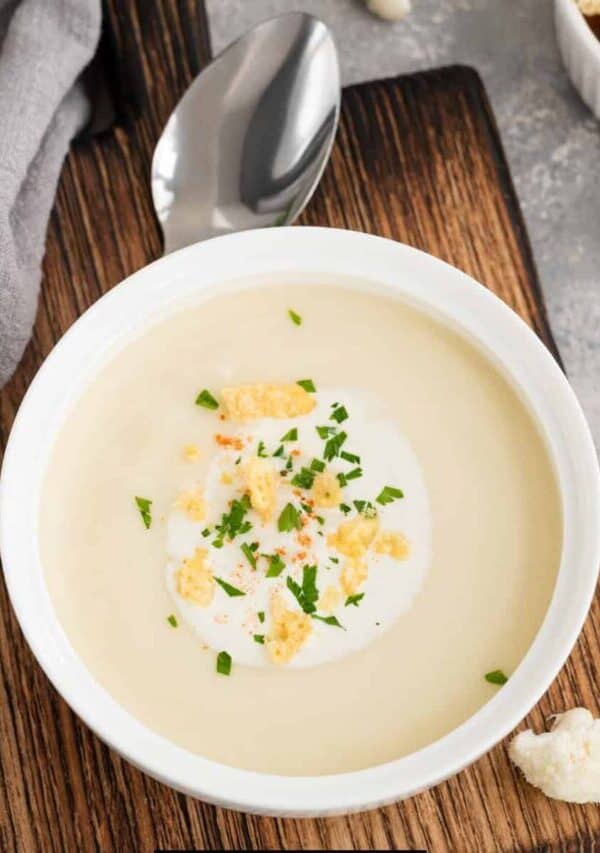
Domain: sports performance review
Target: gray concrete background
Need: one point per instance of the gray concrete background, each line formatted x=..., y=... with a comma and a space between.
x=551, y=139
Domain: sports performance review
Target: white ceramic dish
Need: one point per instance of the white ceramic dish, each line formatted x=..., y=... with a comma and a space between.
x=580, y=51
x=192, y=275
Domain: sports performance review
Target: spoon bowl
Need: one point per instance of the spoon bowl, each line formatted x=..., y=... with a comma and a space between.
x=248, y=142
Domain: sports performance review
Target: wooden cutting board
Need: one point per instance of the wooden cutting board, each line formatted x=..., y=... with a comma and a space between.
x=417, y=159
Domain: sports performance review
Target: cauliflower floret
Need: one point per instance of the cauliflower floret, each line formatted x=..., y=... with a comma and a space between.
x=353, y=538
x=261, y=480
x=290, y=629
x=195, y=580
x=353, y=576
x=589, y=7
x=564, y=762
x=326, y=490
x=391, y=10
x=192, y=504
x=330, y=599
x=392, y=544
x=252, y=402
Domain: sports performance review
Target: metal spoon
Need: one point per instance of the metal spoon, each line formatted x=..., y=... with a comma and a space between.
x=246, y=145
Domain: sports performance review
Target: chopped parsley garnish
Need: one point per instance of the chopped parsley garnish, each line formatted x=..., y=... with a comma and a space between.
x=389, y=494
x=334, y=559
x=354, y=474
x=248, y=552
x=233, y=522
x=345, y=508
x=291, y=435
x=172, y=620
x=206, y=532
x=289, y=519
x=238, y=460
x=224, y=663
x=365, y=508
x=307, y=384
x=260, y=639
x=232, y=591
x=206, y=399
x=342, y=479
x=276, y=566
x=307, y=509
x=145, y=507
x=303, y=479
x=321, y=521
x=339, y=414
x=280, y=451
x=496, y=677
x=261, y=616
x=289, y=464
x=325, y=431
x=306, y=595
x=329, y=620
x=317, y=465
x=354, y=600
x=261, y=450
x=350, y=457
x=295, y=318
x=334, y=445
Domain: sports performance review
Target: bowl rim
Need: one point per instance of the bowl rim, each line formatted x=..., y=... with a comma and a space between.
x=195, y=273
x=580, y=28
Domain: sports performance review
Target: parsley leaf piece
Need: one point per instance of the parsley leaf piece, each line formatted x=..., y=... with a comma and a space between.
x=260, y=639
x=345, y=508
x=306, y=595
x=339, y=414
x=354, y=600
x=206, y=399
x=145, y=508
x=248, y=552
x=325, y=431
x=389, y=494
x=261, y=616
x=276, y=566
x=496, y=677
x=291, y=435
x=289, y=519
x=280, y=451
x=317, y=465
x=350, y=457
x=172, y=620
x=329, y=620
x=354, y=474
x=233, y=522
x=295, y=318
x=261, y=450
x=232, y=591
x=303, y=479
x=307, y=384
x=224, y=663
x=334, y=445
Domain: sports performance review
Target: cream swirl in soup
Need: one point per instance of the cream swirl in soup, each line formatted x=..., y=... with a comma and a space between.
x=310, y=533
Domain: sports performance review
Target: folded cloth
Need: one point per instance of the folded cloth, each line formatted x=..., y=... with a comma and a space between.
x=44, y=45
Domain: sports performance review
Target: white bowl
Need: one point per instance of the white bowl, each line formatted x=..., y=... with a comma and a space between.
x=195, y=274
x=580, y=51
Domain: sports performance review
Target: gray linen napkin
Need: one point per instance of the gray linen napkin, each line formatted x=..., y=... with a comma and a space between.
x=44, y=45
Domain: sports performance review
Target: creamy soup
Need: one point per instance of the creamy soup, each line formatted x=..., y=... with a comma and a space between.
x=293, y=529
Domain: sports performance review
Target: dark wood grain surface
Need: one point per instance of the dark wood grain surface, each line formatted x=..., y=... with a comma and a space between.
x=417, y=159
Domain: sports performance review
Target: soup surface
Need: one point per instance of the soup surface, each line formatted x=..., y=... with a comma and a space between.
x=356, y=551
